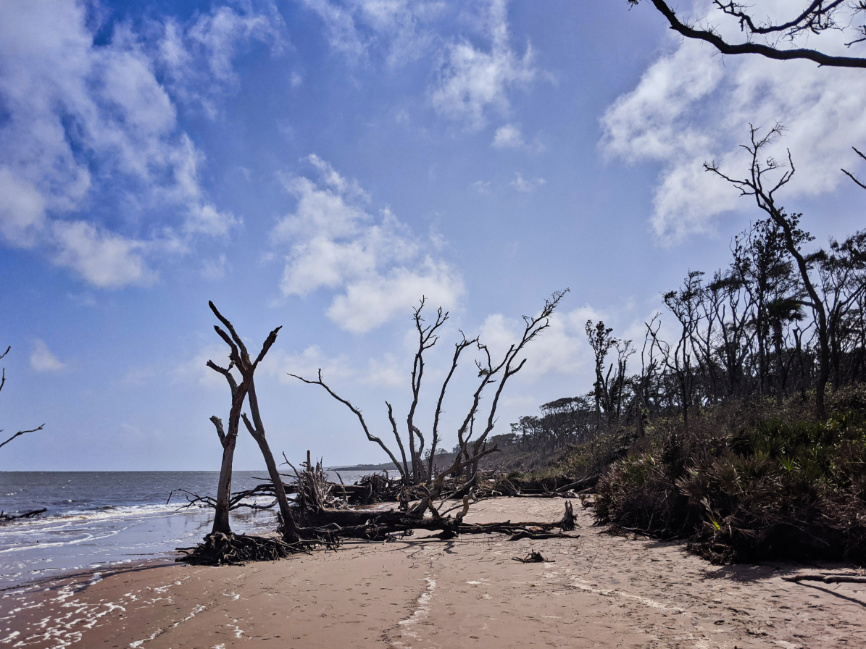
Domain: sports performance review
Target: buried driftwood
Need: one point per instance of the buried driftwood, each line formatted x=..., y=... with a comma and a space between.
x=828, y=579
x=533, y=557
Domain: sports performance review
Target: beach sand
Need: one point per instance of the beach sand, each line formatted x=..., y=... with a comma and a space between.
x=596, y=591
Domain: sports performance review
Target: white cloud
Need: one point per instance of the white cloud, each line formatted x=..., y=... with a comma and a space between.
x=694, y=105
x=91, y=123
x=387, y=372
x=373, y=300
x=280, y=363
x=22, y=209
x=195, y=369
x=355, y=27
x=342, y=34
x=198, y=58
x=508, y=137
x=102, y=258
x=524, y=185
x=472, y=81
x=214, y=269
x=481, y=186
x=43, y=360
x=561, y=348
x=374, y=263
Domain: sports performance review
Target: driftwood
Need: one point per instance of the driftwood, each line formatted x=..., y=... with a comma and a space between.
x=828, y=579
x=5, y=518
x=533, y=557
x=323, y=517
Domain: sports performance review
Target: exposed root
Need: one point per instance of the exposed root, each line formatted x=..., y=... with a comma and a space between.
x=219, y=549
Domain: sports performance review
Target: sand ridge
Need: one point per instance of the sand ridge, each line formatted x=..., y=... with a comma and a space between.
x=596, y=591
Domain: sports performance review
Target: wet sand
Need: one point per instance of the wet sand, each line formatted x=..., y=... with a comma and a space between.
x=596, y=591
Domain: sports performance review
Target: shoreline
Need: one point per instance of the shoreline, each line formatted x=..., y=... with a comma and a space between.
x=596, y=591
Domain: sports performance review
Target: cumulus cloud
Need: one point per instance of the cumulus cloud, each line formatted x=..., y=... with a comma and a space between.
x=373, y=263
x=102, y=258
x=693, y=105
x=560, y=349
x=471, y=81
x=43, y=360
x=509, y=136
x=525, y=185
x=79, y=111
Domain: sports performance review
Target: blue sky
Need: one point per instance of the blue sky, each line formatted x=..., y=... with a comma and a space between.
x=321, y=165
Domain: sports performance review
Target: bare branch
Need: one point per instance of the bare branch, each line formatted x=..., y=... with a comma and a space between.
x=749, y=47
x=434, y=443
x=815, y=18
x=218, y=424
x=358, y=414
x=847, y=173
x=21, y=432
x=399, y=441
x=228, y=325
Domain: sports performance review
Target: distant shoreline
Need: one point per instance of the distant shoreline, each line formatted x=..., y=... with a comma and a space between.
x=385, y=466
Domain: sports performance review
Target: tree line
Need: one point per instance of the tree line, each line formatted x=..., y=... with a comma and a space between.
x=785, y=318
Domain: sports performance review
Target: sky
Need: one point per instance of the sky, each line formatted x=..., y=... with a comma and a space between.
x=321, y=165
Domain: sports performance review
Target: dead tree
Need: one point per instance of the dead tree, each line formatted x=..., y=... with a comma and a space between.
x=2, y=384
x=472, y=447
x=239, y=359
x=816, y=17
x=490, y=374
x=756, y=184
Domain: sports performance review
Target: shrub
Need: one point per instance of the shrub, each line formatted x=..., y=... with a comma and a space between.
x=749, y=482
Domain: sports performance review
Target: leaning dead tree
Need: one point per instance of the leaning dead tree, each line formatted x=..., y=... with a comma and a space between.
x=2, y=384
x=245, y=389
x=492, y=375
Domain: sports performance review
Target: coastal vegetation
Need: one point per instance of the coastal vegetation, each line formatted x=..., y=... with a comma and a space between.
x=739, y=424
x=744, y=427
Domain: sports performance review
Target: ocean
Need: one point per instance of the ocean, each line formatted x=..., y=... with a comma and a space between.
x=101, y=520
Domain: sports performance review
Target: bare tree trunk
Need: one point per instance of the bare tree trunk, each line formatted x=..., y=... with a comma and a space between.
x=221, y=522
x=240, y=359
x=257, y=430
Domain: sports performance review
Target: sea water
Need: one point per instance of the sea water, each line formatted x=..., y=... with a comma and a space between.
x=100, y=520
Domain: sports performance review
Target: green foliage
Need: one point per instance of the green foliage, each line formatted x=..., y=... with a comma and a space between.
x=748, y=482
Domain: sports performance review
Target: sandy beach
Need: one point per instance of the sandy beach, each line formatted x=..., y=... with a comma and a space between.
x=597, y=590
